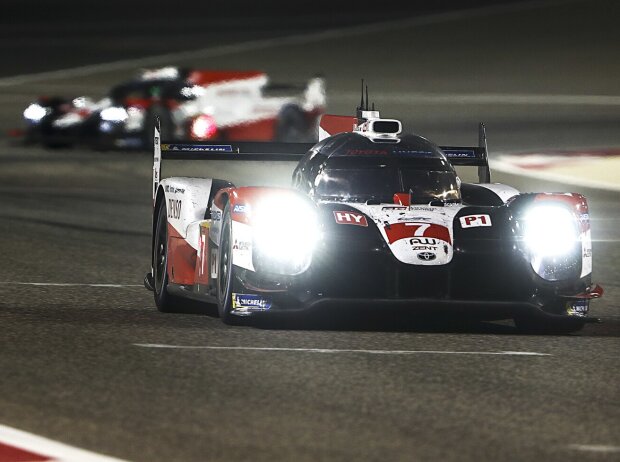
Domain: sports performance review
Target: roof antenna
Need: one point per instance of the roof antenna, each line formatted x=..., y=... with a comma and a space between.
x=366, y=97
x=373, y=106
x=362, y=101
x=360, y=109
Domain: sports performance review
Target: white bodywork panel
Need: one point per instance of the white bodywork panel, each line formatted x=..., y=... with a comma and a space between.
x=242, y=245
x=504, y=192
x=586, y=252
x=421, y=223
x=186, y=204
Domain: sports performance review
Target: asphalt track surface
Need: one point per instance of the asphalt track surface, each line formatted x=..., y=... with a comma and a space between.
x=70, y=361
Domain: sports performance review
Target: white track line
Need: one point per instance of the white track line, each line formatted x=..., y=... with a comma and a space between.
x=68, y=284
x=505, y=167
x=254, y=45
x=332, y=351
x=594, y=447
x=60, y=452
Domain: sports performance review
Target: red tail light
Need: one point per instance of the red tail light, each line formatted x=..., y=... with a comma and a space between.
x=203, y=128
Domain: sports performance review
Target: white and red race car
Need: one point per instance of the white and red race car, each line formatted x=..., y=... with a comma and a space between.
x=192, y=105
x=374, y=218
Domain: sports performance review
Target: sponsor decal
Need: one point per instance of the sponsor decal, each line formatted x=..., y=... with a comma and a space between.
x=250, y=302
x=174, y=208
x=587, y=253
x=414, y=219
x=398, y=231
x=406, y=152
x=213, y=264
x=241, y=245
x=427, y=256
x=460, y=153
x=474, y=221
x=216, y=215
x=394, y=207
x=173, y=190
x=350, y=218
x=424, y=247
x=577, y=307
x=197, y=147
x=423, y=241
x=239, y=208
x=366, y=152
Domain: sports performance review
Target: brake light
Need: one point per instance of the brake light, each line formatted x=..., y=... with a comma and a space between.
x=203, y=128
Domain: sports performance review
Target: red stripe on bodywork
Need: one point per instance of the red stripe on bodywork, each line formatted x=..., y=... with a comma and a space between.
x=208, y=77
x=203, y=268
x=13, y=454
x=181, y=259
x=398, y=231
x=260, y=130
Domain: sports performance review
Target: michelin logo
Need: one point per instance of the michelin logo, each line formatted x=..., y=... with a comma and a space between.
x=250, y=302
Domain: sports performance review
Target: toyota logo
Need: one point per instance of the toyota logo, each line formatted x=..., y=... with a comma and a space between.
x=426, y=256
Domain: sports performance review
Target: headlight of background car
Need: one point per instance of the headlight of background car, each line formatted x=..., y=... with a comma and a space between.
x=551, y=238
x=35, y=112
x=286, y=231
x=114, y=114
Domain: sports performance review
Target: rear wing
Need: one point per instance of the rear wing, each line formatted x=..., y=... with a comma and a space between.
x=477, y=156
x=264, y=151
x=239, y=150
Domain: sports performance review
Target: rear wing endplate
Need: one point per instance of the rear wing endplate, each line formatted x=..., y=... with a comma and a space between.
x=473, y=156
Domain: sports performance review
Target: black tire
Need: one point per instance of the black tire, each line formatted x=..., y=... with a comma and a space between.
x=548, y=326
x=292, y=126
x=226, y=272
x=165, y=302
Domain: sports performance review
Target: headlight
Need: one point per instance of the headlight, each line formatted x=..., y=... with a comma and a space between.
x=552, y=242
x=550, y=231
x=35, y=112
x=286, y=231
x=114, y=114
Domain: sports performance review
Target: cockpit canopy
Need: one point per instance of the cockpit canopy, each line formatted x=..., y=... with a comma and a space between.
x=350, y=167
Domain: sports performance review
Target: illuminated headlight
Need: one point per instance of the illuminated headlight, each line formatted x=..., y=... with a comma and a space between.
x=35, y=112
x=286, y=231
x=114, y=114
x=550, y=231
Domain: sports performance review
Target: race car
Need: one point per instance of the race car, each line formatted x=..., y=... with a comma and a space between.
x=374, y=218
x=190, y=104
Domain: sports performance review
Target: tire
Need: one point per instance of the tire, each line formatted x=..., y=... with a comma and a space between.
x=292, y=126
x=165, y=302
x=548, y=326
x=226, y=272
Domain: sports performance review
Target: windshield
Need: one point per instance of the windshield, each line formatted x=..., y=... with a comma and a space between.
x=360, y=185
x=427, y=186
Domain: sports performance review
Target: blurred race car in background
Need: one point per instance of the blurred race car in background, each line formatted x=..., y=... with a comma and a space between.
x=375, y=218
x=192, y=105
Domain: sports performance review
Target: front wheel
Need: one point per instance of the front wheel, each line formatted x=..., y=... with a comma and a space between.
x=226, y=271
x=164, y=301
